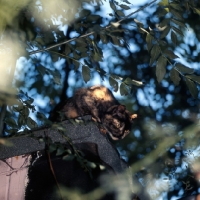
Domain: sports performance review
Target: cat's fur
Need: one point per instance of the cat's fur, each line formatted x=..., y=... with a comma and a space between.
x=99, y=102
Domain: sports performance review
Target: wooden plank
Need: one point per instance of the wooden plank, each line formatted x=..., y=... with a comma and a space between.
x=13, y=174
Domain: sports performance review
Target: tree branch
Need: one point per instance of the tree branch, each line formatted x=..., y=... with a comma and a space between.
x=90, y=33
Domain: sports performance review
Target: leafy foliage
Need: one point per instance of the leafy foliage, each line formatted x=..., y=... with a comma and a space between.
x=75, y=44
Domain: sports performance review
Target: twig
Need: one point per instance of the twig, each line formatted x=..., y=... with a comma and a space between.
x=88, y=34
x=52, y=170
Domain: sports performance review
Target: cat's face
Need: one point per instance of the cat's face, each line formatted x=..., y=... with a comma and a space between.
x=115, y=127
x=117, y=122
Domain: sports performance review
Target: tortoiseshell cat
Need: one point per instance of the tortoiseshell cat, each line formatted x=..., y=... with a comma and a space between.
x=99, y=102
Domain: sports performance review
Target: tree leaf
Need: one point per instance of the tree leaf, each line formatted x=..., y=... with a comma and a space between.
x=126, y=1
x=165, y=32
x=41, y=70
x=21, y=120
x=149, y=40
x=182, y=68
x=31, y=123
x=104, y=38
x=129, y=81
x=123, y=90
x=176, y=13
x=196, y=10
x=174, y=75
x=120, y=13
x=163, y=3
x=177, y=30
x=161, y=68
x=56, y=77
x=25, y=111
x=113, y=83
x=60, y=150
x=176, y=6
x=11, y=122
x=174, y=37
x=155, y=51
x=162, y=13
x=140, y=24
x=112, y=5
x=192, y=87
x=179, y=23
x=194, y=78
x=125, y=7
x=92, y=18
x=76, y=65
x=85, y=73
x=164, y=22
x=170, y=54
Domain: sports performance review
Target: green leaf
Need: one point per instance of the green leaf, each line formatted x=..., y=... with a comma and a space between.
x=31, y=123
x=84, y=13
x=163, y=3
x=165, y=32
x=76, y=65
x=69, y=157
x=149, y=40
x=179, y=23
x=112, y=5
x=56, y=77
x=155, y=51
x=194, y=78
x=85, y=73
x=176, y=13
x=120, y=13
x=123, y=90
x=60, y=150
x=126, y=1
x=41, y=70
x=177, y=30
x=125, y=7
x=104, y=38
x=11, y=122
x=67, y=49
x=176, y=6
x=21, y=120
x=92, y=18
x=161, y=68
x=113, y=83
x=164, y=22
x=115, y=41
x=140, y=24
x=162, y=43
x=52, y=147
x=174, y=75
x=25, y=111
x=97, y=56
x=192, y=87
x=174, y=37
x=162, y=13
x=196, y=10
x=128, y=81
x=18, y=108
x=184, y=69
x=170, y=54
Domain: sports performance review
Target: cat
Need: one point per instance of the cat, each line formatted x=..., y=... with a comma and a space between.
x=99, y=102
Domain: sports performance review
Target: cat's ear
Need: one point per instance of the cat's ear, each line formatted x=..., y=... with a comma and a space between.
x=133, y=116
x=121, y=108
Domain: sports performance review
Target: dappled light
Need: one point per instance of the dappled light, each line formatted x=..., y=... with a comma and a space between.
x=150, y=62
